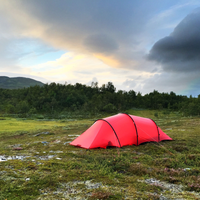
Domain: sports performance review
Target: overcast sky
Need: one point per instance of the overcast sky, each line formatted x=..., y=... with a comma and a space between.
x=136, y=44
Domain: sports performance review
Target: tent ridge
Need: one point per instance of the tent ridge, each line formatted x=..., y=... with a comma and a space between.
x=112, y=129
x=157, y=129
x=134, y=125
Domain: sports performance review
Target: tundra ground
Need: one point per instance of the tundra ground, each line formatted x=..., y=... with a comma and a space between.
x=37, y=162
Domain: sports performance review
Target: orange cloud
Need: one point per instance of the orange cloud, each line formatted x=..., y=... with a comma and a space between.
x=109, y=60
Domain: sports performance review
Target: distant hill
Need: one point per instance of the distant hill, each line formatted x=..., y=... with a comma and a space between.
x=17, y=82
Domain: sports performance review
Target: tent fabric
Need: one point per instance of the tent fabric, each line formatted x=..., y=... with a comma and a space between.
x=120, y=130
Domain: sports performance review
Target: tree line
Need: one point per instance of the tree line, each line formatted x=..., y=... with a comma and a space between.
x=60, y=98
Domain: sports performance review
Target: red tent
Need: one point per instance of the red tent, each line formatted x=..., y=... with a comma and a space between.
x=120, y=130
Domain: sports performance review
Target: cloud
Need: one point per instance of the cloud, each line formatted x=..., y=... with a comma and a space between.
x=180, y=51
x=165, y=82
x=103, y=39
x=104, y=28
x=10, y=52
x=100, y=43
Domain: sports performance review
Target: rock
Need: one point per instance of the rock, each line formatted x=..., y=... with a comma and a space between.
x=56, y=141
x=6, y=158
x=66, y=143
x=50, y=156
x=2, y=158
x=43, y=133
x=163, y=197
x=44, y=142
x=16, y=145
x=73, y=135
x=167, y=186
x=187, y=169
x=58, y=151
x=90, y=185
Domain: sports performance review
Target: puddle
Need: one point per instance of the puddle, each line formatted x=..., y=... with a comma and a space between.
x=55, y=151
x=45, y=157
x=73, y=135
x=6, y=158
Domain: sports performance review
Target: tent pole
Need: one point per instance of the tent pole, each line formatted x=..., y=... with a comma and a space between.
x=157, y=129
x=134, y=125
x=112, y=129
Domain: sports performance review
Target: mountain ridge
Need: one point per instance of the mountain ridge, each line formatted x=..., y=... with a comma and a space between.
x=17, y=82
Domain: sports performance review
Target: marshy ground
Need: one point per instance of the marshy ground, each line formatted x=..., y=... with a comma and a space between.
x=37, y=162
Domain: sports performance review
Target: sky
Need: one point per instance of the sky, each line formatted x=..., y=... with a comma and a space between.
x=135, y=44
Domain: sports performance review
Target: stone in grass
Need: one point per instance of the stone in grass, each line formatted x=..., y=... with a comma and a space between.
x=163, y=197
x=2, y=158
x=67, y=142
x=44, y=143
x=15, y=145
x=90, y=185
x=56, y=141
x=43, y=133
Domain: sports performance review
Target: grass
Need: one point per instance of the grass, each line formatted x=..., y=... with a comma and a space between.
x=12, y=125
x=52, y=169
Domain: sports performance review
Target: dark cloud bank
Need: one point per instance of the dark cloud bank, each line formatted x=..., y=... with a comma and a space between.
x=180, y=52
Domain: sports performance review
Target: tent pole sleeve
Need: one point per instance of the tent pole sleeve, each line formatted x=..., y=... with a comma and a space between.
x=134, y=125
x=157, y=130
x=112, y=129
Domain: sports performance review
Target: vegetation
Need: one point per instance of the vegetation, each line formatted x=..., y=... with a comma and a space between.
x=57, y=100
x=37, y=162
x=49, y=168
x=16, y=83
